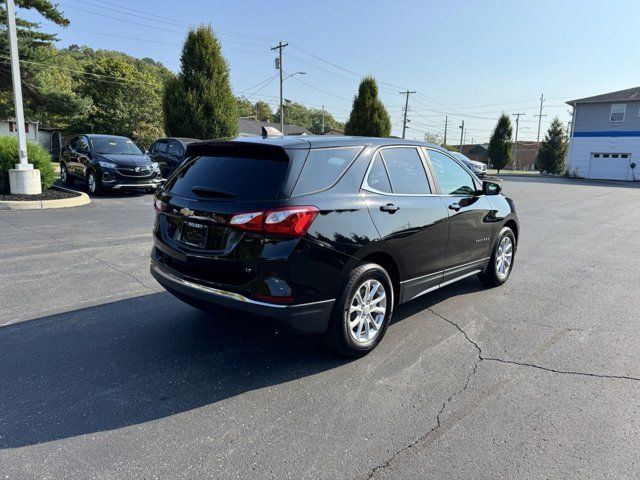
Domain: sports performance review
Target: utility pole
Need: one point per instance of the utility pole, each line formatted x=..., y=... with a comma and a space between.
x=322, y=131
x=540, y=115
x=446, y=124
x=406, y=109
x=515, y=144
x=279, y=47
x=461, y=127
x=24, y=179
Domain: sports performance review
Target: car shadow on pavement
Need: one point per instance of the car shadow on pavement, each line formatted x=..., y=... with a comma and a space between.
x=136, y=360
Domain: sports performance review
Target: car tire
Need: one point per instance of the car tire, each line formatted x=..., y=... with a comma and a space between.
x=352, y=332
x=500, y=264
x=65, y=176
x=93, y=182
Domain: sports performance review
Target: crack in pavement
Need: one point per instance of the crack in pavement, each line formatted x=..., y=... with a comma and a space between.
x=379, y=468
x=481, y=357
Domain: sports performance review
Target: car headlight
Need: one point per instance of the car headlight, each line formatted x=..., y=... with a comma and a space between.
x=107, y=165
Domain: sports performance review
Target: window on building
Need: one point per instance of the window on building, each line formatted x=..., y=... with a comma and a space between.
x=596, y=155
x=14, y=128
x=617, y=112
x=605, y=155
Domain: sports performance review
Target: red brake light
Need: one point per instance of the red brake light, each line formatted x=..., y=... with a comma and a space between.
x=288, y=221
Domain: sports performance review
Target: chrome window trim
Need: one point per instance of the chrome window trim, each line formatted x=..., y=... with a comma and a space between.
x=344, y=172
x=430, y=183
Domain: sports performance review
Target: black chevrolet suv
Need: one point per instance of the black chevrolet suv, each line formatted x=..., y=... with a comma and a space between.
x=328, y=234
x=108, y=162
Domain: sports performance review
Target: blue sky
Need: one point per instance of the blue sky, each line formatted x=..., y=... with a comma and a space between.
x=469, y=59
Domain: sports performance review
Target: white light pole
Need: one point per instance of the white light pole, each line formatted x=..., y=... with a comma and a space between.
x=23, y=179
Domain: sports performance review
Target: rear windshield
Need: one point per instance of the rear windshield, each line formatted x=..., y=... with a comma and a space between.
x=239, y=178
x=323, y=167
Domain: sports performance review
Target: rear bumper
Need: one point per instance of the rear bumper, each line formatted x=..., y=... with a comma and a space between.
x=303, y=318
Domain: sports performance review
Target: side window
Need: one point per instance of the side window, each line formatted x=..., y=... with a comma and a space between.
x=323, y=167
x=82, y=145
x=617, y=112
x=406, y=171
x=175, y=148
x=454, y=180
x=378, y=178
x=161, y=146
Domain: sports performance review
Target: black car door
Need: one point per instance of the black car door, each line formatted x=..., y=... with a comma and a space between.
x=158, y=154
x=408, y=216
x=82, y=153
x=470, y=216
x=68, y=155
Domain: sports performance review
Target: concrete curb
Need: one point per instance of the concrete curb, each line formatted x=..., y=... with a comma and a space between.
x=82, y=199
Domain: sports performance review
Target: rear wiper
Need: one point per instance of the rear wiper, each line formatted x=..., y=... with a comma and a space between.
x=211, y=192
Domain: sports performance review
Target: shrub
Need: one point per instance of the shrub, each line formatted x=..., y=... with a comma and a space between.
x=37, y=155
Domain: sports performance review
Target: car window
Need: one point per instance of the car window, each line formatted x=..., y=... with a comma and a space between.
x=115, y=145
x=323, y=167
x=73, y=142
x=406, y=171
x=81, y=144
x=175, y=149
x=161, y=146
x=454, y=180
x=378, y=178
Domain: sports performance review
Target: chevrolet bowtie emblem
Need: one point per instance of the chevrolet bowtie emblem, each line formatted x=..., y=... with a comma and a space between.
x=186, y=212
x=137, y=169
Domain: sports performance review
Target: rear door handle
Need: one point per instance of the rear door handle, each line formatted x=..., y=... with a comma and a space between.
x=389, y=207
x=455, y=206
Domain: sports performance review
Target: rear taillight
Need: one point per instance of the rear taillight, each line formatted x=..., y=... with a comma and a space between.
x=287, y=221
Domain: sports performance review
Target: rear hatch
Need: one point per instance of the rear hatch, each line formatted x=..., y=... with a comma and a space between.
x=218, y=181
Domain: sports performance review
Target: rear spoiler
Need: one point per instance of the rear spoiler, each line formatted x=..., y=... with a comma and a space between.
x=236, y=149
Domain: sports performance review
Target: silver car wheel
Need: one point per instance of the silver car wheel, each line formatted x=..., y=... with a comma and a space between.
x=367, y=311
x=504, y=257
x=92, y=183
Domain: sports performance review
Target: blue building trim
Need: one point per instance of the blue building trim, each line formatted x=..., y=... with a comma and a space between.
x=610, y=133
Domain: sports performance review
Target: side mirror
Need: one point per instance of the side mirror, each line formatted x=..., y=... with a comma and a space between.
x=491, y=188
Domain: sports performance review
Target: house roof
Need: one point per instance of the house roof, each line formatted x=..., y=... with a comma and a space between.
x=619, y=96
x=253, y=128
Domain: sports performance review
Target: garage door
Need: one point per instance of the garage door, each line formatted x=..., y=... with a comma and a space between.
x=609, y=166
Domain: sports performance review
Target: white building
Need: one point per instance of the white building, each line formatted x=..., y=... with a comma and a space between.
x=48, y=138
x=605, y=136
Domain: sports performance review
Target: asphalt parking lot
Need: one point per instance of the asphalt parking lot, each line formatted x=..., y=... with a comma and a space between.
x=103, y=375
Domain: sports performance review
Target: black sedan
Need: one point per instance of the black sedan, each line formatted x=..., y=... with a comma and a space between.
x=328, y=234
x=108, y=162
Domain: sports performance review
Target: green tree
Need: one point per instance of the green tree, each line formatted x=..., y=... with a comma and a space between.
x=129, y=106
x=368, y=116
x=309, y=118
x=499, y=150
x=553, y=150
x=263, y=111
x=31, y=42
x=245, y=107
x=198, y=102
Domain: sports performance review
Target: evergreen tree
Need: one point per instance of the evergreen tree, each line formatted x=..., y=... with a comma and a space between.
x=368, y=116
x=500, y=144
x=552, y=153
x=199, y=103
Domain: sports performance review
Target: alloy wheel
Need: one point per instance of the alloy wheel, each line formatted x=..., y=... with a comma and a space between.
x=92, y=183
x=63, y=174
x=367, y=311
x=504, y=257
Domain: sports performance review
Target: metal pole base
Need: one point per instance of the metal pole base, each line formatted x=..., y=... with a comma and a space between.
x=25, y=181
